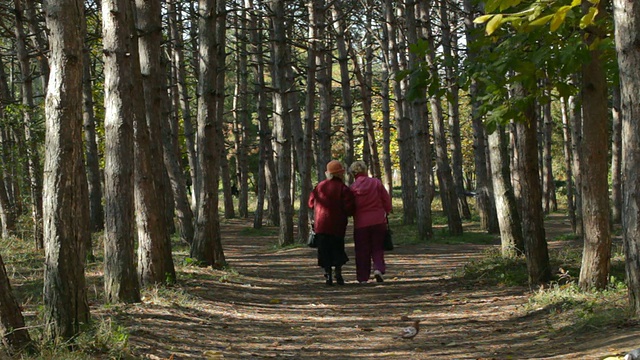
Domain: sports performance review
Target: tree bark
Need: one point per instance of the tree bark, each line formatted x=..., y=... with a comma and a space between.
x=596, y=255
x=66, y=198
x=627, y=34
x=535, y=243
x=568, y=156
x=207, y=233
x=155, y=263
x=616, y=158
x=120, y=278
x=13, y=334
x=506, y=206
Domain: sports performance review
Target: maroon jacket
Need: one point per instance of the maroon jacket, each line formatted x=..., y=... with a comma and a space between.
x=333, y=203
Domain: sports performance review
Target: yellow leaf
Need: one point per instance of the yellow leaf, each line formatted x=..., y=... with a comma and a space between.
x=558, y=19
x=482, y=19
x=588, y=18
x=575, y=3
x=275, y=301
x=541, y=21
x=213, y=355
x=494, y=23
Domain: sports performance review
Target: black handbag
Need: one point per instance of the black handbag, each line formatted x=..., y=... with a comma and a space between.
x=311, y=241
x=388, y=241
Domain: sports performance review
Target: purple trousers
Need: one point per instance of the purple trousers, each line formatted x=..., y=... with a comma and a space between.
x=368, y=244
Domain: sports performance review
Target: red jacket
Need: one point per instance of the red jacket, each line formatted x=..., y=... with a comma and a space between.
x=333, y=203
x=373, y=202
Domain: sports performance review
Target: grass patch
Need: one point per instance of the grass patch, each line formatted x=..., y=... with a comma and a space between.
x=495, y=270
x=263, y=231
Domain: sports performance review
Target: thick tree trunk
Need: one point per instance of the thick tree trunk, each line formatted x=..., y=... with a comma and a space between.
x=66, y=198
x=506, y=205
x=120, y=278
x=13, y=334
x=155, y=263
x=627, y=33
x=204, y=247
x=596, y=256
x=537, y=254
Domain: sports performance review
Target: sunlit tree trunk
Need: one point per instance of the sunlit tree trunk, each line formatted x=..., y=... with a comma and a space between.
x=66, y=198
x=568, y=158
x=345, y=80
x=616, y=158
x=506, y=205
x=627, y=34
x=206, y=246
x=120, y=277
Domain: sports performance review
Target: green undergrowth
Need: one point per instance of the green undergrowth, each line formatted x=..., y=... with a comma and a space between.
x=565, y=306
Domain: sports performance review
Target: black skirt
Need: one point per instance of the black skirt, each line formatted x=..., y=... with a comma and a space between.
x=331, y=251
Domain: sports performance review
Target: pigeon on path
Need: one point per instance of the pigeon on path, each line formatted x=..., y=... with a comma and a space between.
x=411, y=331
x=633, y=355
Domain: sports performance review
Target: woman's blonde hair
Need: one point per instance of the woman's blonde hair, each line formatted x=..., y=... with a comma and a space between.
x=358, y=167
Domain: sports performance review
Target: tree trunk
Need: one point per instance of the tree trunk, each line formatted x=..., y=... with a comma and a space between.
x=155, y=263
x=96, y=211
x=207, y=236
x=449, y=41
x=66, y=205
x=175, y=27
x=535, y=243
x=13, y=334
x=550, y=201
x=616, y=158
x=281, y=121
x=484, y=197
x=30, y=136
x=568, y=157
x=575, y=108
x=596, y=256
x=506, y=205
x=627, y=34
x=120, y=278
x=324, y=64
x=242, y=118
x=402, y=121
x=345, y=81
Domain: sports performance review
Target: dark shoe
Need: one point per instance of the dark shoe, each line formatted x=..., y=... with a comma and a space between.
x=378, y=275
x=339, y=280
x=329, y=279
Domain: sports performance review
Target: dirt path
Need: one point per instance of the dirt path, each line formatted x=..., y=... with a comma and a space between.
x=274, y=304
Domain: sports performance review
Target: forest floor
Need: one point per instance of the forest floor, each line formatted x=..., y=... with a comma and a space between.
x=273, y=303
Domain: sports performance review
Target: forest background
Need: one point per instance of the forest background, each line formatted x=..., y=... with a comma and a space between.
x=137, y=120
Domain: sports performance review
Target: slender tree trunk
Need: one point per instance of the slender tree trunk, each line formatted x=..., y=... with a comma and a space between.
x=242, y=119
x=96, y=211
x=281, y=121
x=30, y=136
x=596, y=256
x=66, y=209
x=616, y=158
x=324, y=64
x=550, y=202
x=575, y=108
x=506, y=205
x=120, y=278
x=175, y=21
x=484, y=197
x=568, y=156
x=345, y=80
x=39, y=41
x=402, y=121
x=627, y=34
x=449, y=41
x=13, y=334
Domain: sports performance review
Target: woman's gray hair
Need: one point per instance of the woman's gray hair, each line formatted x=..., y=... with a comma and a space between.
x=358, y=167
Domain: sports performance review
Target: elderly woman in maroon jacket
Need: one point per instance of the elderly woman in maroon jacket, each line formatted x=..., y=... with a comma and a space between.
x=373, y=203
x=333, y=203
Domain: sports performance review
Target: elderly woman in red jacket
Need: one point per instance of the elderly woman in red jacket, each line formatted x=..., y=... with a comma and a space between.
x=333, y=203
x=373, y=203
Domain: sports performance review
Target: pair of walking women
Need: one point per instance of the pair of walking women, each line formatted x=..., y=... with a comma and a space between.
x=333, y=202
